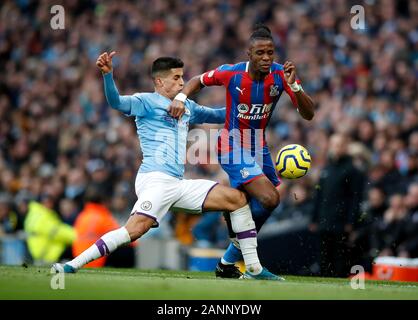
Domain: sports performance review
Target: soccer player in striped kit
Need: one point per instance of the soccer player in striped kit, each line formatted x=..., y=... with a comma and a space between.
x=252, y=91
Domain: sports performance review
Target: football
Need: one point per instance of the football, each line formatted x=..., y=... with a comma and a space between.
x=293, y=161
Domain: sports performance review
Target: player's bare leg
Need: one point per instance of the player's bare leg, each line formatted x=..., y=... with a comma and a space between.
x=136, y=226
x=224, y=198
x=264, y=191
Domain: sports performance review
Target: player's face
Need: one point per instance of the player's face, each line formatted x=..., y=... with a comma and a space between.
x=261, y=55
x=172, y=82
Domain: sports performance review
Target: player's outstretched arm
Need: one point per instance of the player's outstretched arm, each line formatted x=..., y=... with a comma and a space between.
x=192, y=86
x=202, y=114
x=304, y=102
x=125, y=104
x=177, y=108
x=215, y=115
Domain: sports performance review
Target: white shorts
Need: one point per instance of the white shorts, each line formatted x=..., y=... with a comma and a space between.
x=158, y=193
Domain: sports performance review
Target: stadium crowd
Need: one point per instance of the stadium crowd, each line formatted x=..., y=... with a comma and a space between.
x=58, y=135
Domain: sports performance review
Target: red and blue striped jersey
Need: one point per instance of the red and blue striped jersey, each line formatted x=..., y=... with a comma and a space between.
x=249, y=103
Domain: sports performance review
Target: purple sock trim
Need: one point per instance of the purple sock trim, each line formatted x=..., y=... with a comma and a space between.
x=101, y=245
x=247, y=234
x=204, y=200
x=156, y=223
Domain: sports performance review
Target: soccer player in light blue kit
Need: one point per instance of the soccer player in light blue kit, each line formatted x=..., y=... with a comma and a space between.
x=159, y=183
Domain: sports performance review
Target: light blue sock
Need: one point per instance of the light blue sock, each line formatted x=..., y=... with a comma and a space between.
x=232, y=255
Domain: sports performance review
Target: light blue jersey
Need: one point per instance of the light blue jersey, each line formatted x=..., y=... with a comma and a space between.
x=163, y=139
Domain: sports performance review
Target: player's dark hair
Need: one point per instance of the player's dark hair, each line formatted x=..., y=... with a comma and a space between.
x=260, y=31
x=163, y=64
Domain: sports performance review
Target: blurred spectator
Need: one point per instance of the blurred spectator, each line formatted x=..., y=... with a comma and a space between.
x=375, y=206
x=391, y=180
x=22, y=199
x=93, y=222
x=211, y=231
x=386, y=231
x=47, y=236
x=297, y=205
x=8, y=217
x=408, y=246
x=361, y=155
x=183, y=226
x=100, y=175
x=120, y=207
x=68, y=210
x=336, y=207
x=360, y=239
x=76, y=184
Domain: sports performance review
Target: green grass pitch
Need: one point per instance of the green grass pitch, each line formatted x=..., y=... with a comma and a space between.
x=35, y=283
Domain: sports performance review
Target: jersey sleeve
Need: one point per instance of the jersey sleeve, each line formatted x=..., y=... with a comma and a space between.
x=216, y=77
x=202, y=114
x=129, y=105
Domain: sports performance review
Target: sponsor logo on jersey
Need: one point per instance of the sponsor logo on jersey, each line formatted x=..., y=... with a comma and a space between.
x=243, y=108
x=255, y=111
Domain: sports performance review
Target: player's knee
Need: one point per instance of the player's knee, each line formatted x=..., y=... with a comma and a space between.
x=236, y=199
x=138, y=231
x=270, y=200
x=138, y=228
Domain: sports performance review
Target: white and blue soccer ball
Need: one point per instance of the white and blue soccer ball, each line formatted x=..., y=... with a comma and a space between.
x=293, y=161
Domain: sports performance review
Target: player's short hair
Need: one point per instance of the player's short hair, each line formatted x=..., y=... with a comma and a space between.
x=163, y=64
x=260, y=31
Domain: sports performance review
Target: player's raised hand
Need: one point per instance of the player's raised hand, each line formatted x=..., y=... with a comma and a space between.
x=289, y=72
x=176, y=109
x=104, y=62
